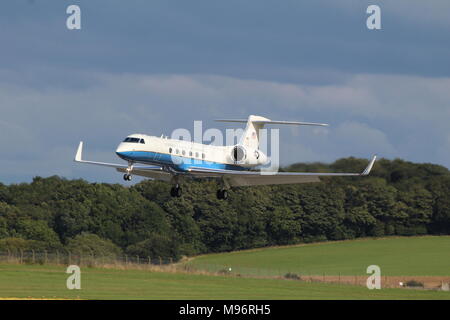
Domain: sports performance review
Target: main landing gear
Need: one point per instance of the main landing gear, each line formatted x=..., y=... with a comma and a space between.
x=127, y=177
x=222, y=194
x=176, y=191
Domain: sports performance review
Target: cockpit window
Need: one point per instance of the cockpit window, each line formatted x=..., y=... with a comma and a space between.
x=132, y=140
x=142, y=141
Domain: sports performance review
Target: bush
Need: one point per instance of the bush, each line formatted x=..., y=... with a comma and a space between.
x=292, y=276
x=156, y=246
x=16, y=245
x=93, y=245
x=224, y=271
x=40, y=231
x=413, y=283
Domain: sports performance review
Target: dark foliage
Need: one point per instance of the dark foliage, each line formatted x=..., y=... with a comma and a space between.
x=398, y=198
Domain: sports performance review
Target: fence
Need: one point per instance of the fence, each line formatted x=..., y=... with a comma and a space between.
x=428, y=282
x=68, y=258
x=130, y=261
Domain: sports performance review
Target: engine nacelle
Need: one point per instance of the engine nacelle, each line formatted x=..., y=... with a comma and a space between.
x=238, y=154
x=247, y=157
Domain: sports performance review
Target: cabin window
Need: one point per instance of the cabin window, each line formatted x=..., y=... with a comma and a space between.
x=196, y=154
x=203, y=156
x=190, y=153
x=170, y=150
x=132, y=140
x=183, y=152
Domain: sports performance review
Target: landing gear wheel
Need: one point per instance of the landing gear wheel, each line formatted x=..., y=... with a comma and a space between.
x=222, y=194
x=176, y=191
x=127, y=177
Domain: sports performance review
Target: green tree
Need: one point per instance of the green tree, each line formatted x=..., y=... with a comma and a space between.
x=284, y=226
x=93, y=245
x=38, y=230
x=16, y=245
x=156, y=246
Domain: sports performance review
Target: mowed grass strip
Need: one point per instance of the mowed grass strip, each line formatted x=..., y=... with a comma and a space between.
x=30, y=281
x=402, y=256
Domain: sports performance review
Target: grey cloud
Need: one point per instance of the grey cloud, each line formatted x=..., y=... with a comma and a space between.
x=389, y=115
x=261, y=40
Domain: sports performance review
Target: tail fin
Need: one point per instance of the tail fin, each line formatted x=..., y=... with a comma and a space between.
x=250, y=137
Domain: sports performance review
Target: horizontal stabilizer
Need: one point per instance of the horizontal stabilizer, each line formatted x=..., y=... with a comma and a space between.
x=263, y=122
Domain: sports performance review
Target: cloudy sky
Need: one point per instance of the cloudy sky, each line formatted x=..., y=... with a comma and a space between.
x=155, y=66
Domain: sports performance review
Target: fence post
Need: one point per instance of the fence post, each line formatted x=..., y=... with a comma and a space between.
x=70, y=258
x=21, y=256
x=57, y=257
x=34, y=256
x=45, y=256
x=126, y=260
x=149, y=260
x=137, y=259
x=160, y=261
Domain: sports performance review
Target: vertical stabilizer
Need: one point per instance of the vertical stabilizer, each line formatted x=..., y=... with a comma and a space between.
x=250, y=138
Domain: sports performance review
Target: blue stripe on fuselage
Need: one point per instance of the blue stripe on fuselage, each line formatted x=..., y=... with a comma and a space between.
x=177, y=162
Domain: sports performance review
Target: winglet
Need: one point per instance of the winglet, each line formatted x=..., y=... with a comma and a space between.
x=79, y=152
x=369, y=166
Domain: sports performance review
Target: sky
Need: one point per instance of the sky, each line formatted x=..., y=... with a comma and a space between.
x=155, y=66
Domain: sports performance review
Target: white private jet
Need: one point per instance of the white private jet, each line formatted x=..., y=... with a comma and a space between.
x=173, y=160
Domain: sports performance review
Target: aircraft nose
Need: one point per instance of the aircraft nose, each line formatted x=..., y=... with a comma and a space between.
x=120, y=149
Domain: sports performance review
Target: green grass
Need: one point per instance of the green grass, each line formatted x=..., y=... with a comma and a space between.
x=24, y=281
x=403, y=256
x=417, y=256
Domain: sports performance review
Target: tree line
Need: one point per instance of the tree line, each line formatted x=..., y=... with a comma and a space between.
x=398, y=198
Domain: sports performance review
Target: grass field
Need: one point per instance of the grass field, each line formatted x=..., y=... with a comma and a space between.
x=403, y=256
x=36, y=281
x=418, y=256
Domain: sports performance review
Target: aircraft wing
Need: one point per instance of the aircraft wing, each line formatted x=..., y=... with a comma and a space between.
x=153, y=172
x=249, y=178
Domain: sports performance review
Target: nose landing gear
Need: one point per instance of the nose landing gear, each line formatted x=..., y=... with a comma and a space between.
x=127, y=176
